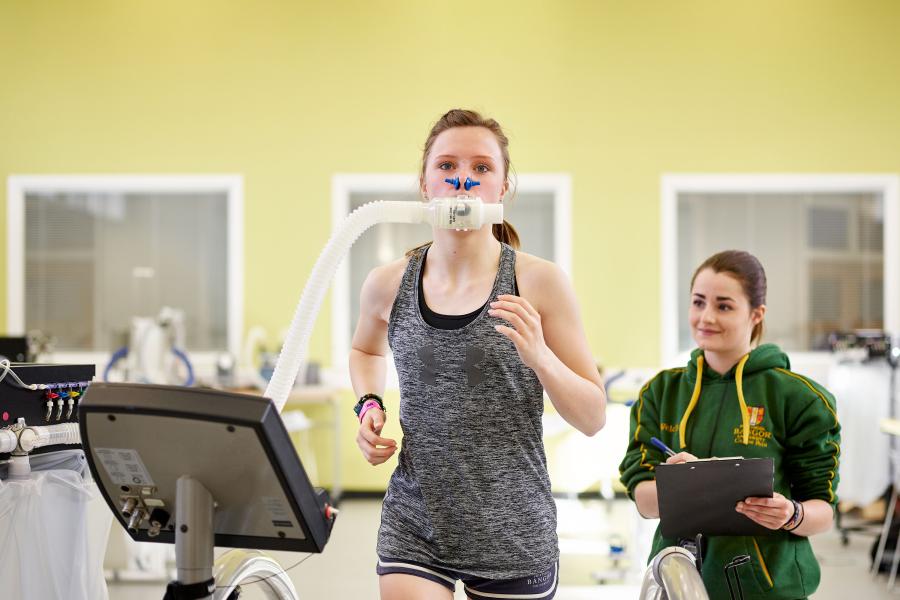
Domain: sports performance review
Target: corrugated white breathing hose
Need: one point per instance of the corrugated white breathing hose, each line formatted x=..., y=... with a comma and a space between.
x=20, y=442
x=49, y=435
x=9, y=441
x=449, y=213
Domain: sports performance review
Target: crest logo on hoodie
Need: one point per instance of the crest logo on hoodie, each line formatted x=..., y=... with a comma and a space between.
x=756, y=414
x=759, y=435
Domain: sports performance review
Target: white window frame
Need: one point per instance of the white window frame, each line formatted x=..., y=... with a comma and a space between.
x=343, y=185
x=674, y=184
x=19, y=186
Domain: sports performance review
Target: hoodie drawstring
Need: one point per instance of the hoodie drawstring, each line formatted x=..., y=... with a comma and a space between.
x=745, y=416
x=694, y=397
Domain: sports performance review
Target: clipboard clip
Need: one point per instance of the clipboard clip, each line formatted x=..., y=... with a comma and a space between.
x=741, y=559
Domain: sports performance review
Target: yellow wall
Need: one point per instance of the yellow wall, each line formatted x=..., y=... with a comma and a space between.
x=288, y=93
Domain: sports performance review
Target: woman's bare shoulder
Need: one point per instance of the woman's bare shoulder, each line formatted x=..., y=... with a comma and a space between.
x=533, y=271
x=381, y=285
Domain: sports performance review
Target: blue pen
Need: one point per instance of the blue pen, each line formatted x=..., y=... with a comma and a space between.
x=658, y=443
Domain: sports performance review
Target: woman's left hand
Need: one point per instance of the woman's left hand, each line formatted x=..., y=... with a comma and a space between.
x=526, y=332
x=772, y=513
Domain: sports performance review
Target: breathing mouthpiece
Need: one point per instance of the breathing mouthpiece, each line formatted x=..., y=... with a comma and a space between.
x=462, y=212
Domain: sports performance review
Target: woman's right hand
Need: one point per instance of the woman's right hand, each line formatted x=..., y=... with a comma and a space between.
x=375, y=448
x=681, y=457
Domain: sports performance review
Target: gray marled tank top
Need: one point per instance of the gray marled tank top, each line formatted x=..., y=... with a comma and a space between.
x=471, y=491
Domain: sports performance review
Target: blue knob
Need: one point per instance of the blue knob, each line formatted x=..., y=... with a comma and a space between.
x=455, y=182
x=470, y=183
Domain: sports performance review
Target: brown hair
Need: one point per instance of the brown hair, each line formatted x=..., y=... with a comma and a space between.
x=459, y=117
x=747, y=269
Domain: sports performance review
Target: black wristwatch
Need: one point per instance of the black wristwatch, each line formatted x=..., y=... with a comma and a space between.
x=365, y=399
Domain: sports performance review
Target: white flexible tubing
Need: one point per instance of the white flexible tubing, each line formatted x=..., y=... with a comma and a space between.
x=49, y=435
x=293, y=354
x=237, y=567
x=8, y=441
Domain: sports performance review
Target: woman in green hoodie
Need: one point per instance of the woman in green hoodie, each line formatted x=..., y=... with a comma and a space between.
x=736, y=397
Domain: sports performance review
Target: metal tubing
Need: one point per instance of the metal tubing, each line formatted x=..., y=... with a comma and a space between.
x=128, y=507
x=675, y=571
x=885, y=528
x=194, y=534
x=895, y=562
x=650, y=590
x=680, y=579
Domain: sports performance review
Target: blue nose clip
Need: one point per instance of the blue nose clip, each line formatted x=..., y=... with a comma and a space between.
x=469, y=183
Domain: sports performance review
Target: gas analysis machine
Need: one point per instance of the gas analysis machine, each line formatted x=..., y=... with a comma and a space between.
x=202, y=468
x=52, y=535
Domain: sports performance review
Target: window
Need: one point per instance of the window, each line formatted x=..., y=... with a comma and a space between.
x=87, y=253
x=539, y=212
x=821, y=240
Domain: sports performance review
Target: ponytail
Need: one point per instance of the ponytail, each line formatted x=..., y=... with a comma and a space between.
x=757, y=333
x=413, y=251
x=506, y=234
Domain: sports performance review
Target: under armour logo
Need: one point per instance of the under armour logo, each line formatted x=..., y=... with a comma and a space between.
x=474, y=356
x=428, y=371
x=429, y=367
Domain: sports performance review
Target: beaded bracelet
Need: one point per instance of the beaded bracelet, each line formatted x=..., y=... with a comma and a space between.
x=796, y=518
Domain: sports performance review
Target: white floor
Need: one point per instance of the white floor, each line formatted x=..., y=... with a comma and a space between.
x=346, y=569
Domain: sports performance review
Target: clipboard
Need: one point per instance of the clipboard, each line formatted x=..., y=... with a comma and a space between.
x=700, y=496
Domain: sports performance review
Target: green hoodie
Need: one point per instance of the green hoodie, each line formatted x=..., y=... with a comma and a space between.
x=757, y=409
